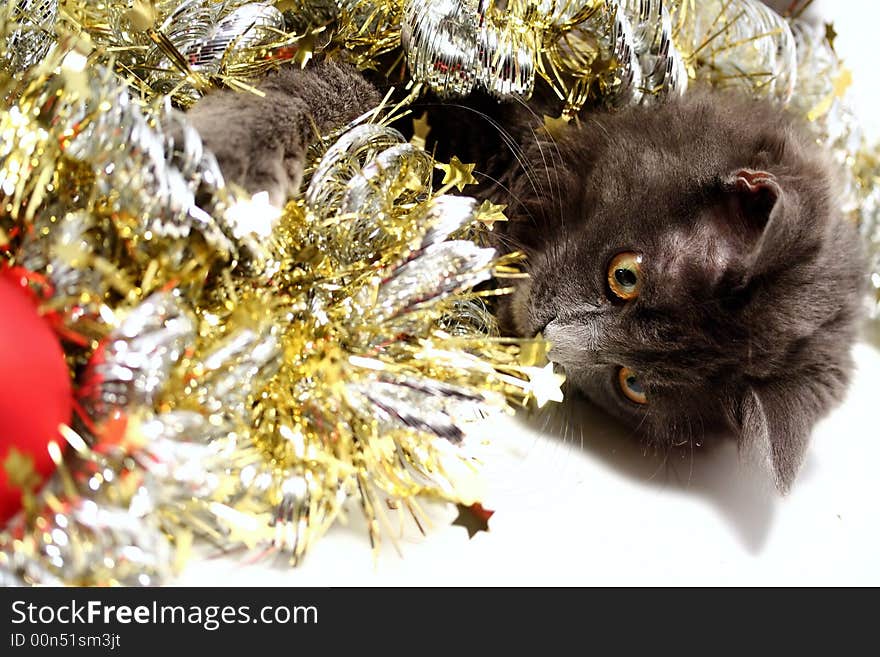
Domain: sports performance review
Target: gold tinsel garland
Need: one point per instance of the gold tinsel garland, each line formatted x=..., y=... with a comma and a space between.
x=241, y=370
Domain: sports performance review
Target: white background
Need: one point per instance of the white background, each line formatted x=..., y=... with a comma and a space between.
x=586, y=507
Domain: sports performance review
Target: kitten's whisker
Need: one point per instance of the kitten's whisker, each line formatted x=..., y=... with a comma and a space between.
x=515, y=149
x=506, y=137
x=556, y=156
x=693, y=444
x=661, y=466
x=511, y=244
x=601, y=127
x=507, y=190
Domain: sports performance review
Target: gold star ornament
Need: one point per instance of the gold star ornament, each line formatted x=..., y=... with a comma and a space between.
x=842, y=83
x=457, y=174
x=546, y=385
x=421, y=130
x=555, y=126
x=488, y=213
x=830, y=35
x=20, y=470
x=473, y=518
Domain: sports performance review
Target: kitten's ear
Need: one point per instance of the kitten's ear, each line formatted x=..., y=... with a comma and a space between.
x=775, y=428
x=754, y=182
x=754, y=199
x=748, y=219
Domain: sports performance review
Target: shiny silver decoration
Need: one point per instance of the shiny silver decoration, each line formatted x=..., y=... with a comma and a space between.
x=208, y=33
x=64, y=253
x=427, y=405
x=564, y=12
x=29, y=32
x=441, y=44
x=89, y=542
x=183, y=455
x=368, y=192
x=662, y=66
x=343, y=162
x=438, y=271
x=744, y=44
x=624, y=83
x=152, y=166
x=114, y=536
x=506, y=62
x=636, y=36
x=290, y=516
x=445, y=216
x=455, y=46
x=248, y=355
x=303, y=507
x=158, y=171
x=354, y=180
x=210, y=36
x=132, y=365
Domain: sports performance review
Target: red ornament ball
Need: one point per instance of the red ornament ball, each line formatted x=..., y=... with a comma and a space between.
x=35, y=390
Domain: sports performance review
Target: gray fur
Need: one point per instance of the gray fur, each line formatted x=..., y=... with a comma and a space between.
x=261, y=142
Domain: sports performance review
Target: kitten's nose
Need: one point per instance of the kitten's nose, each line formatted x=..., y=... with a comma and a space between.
x=571, y=343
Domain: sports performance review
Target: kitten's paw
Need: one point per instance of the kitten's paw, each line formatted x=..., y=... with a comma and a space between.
x=260, y=142
x=269, y=171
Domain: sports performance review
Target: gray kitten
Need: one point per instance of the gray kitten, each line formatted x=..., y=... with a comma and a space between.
x=688, y=261
x=693, y=272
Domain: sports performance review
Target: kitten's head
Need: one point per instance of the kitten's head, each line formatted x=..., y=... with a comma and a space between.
x=693, y=274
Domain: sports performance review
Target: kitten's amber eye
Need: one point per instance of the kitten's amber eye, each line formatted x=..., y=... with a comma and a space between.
x=625, y=275
x=630, y=386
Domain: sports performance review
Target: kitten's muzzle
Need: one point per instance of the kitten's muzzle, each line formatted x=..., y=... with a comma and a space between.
x=575, y=342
